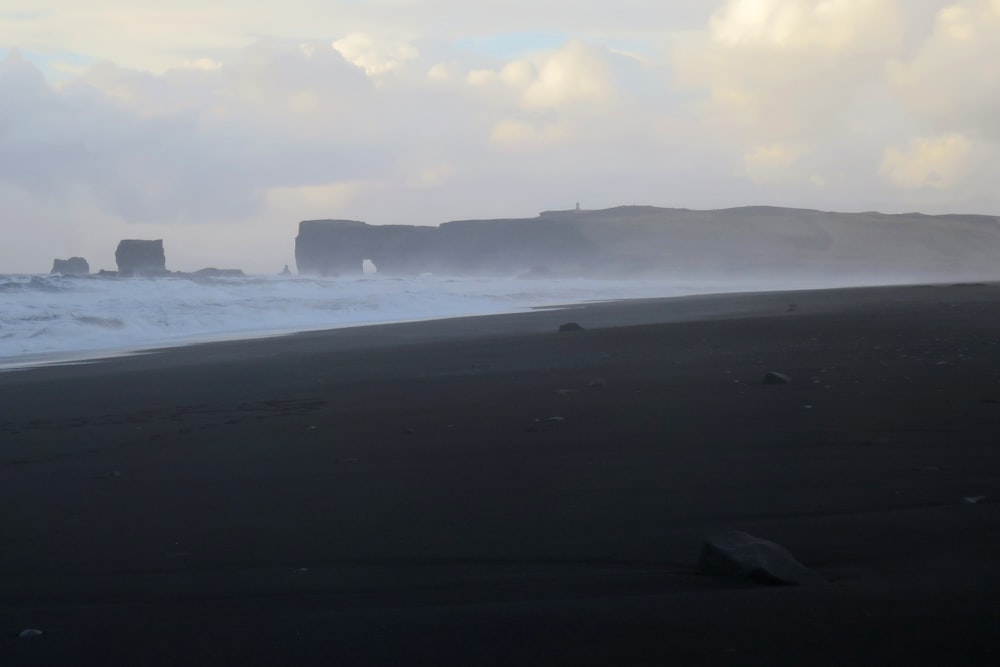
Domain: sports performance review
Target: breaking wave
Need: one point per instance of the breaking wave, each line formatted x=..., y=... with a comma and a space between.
x=52, y=317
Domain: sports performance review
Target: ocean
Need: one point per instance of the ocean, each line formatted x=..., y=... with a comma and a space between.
x=60, y=319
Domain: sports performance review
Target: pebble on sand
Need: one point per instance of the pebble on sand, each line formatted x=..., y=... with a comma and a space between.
x=733, y=553
x=774, y=377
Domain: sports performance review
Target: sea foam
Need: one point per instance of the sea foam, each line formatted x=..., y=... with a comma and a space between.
x=45, y=318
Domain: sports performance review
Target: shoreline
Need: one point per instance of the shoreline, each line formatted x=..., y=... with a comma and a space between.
x=90, y=356
x=489, y=491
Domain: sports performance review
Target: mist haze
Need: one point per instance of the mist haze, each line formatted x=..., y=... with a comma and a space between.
x=749, y=244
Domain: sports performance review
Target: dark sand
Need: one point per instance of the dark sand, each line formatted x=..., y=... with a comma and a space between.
x=399, y=495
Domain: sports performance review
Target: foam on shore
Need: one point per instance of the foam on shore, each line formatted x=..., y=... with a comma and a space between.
x=61, y=319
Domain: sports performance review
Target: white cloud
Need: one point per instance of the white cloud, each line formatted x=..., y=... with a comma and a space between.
x=575, y=74
x=952, y=83
x=830, y=26
x=935, y=162
x=518, y=74
x=304, y=202
x=373, y=55
x=522, y=135
x=775, y=163
x=444, y=72
x=482, y=77
x=785, y=70
x=431, y=176
x=191, y=144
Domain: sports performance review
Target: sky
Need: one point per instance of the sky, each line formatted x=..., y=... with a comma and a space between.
x=219, y=125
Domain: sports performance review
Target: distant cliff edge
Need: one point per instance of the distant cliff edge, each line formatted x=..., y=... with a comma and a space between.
x=646, y=240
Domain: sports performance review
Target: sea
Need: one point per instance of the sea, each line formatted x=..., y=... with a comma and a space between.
x=48, y=319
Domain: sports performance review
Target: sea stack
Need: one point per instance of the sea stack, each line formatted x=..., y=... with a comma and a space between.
x=74, y=266
x=141, y=258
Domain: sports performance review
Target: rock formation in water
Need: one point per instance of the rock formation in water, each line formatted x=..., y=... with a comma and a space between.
x=336, y=247
x=141, y=258
x=212, y=272
x=74, y=266
x=755, y=241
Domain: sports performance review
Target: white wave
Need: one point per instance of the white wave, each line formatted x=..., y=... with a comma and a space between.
x=44, y=318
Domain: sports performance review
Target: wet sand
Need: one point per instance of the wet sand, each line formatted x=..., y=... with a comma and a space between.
x=487, y=491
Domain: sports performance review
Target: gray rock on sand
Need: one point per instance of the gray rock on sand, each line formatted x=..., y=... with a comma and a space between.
x=734, y=553
x=774, y=377
x=570, y=326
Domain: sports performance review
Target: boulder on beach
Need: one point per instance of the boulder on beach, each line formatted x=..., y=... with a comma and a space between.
x=774, y=377
x=733, y=553
x=74, y=266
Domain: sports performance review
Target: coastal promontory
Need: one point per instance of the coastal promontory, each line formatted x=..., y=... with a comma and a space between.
x=647, y=240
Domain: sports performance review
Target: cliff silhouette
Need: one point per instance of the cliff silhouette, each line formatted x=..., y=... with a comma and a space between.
x=647, y=240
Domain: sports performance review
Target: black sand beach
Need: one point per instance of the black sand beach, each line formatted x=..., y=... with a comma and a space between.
x=487, y=491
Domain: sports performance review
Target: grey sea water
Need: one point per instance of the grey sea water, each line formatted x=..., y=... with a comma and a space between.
x=47, y=318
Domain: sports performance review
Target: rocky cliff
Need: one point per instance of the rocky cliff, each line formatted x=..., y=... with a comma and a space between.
x=338, y=247
x=645, y=240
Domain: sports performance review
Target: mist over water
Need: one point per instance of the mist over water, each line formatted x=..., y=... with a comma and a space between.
x=51, y=318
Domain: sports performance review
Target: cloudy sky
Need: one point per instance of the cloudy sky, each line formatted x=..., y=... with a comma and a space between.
x=218, y=125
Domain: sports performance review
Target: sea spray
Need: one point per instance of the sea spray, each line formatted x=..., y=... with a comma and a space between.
x=46, y=318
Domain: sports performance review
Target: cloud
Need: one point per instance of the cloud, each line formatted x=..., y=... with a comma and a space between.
x=521, y=135
x=788, y=70
x=775, y=163
x=242, y=116
x=952, y=83
x=834, y=27
x=576, y=74
x=864, y=103
x=189, y=145
x=375, y=56
x=160, y=37
x=314, y=201
x=928, y=162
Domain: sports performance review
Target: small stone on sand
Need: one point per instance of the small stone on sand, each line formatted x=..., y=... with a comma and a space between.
x=774, y=377
x=734, y=553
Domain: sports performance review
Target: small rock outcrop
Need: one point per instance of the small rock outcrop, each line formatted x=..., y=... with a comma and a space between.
x=212, y=272
x=569, y=327
x=734, y=553
x=141, y=258
x=74, y=266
